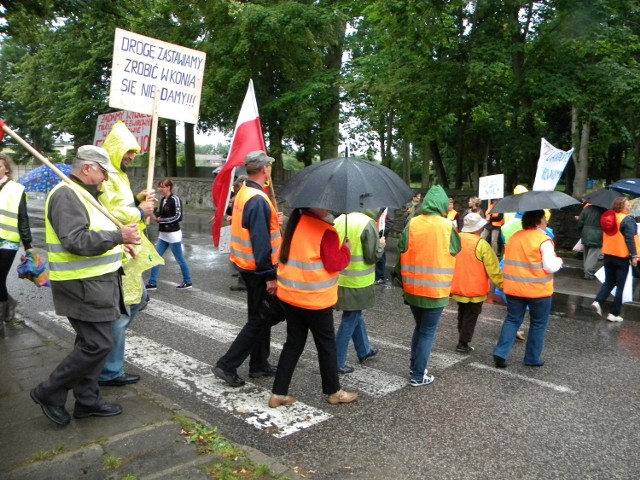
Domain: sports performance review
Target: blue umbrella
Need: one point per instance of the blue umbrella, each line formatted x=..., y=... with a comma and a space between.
x=43, y=179
x=627, y=185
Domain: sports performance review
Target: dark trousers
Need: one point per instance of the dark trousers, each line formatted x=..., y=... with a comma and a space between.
x=380, y=266
x=616, y=270
x=468, y=314
x=6, y=260
x=255, y=337
x=80, y=370
x=299, y=322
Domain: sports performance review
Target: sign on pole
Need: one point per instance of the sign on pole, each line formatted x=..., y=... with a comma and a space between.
x=138, y=123
x=491, y=187
x=551, y=164
x=143, y=64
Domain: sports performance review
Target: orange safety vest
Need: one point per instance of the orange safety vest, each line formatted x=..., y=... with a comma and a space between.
x=523, y=272
x=493, y=217
x=427, y=266
x=303, y=281
x=241, y=248
x=470, y=278
x=614, y=244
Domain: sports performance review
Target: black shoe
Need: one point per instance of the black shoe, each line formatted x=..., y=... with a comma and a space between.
x=535, y=364
x=270, y=371
x=372, y=353
x=500, y=362
x=231, y=378
x=122, y=380
x=106, y=410
x=56, y=414
x=463, y=347
x=238, y=288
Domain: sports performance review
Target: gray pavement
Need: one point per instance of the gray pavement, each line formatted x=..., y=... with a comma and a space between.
x=147, y=438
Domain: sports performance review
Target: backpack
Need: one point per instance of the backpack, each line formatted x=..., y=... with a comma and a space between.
x=608, y=223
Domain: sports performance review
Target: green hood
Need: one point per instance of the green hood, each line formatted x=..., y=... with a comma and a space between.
x=119, y=141
x=436, y=202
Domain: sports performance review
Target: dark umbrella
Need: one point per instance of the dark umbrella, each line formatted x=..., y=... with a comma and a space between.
x=627, y=185
x=346, y=185
x=602, y=198
x=43, y=179
x=534, y=200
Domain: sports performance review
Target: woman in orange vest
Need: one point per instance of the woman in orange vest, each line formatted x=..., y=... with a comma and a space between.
x=311, y=258
x=14, y=227
x=427, y=248
x=529, y=263
x=620, y=249
x=475, y=265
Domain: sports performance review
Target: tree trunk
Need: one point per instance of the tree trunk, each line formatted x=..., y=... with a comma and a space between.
x=275, y=150
x=460, y=174
x=581, y=163
x=172, y=157
x=406, y=161
x=438, y=165
x=189, y=150
x=389, y=137
x=426, y=166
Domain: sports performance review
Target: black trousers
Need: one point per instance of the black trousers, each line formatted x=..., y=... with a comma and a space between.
x=299, y=322
x=6, y=261
x=80, y=370
x=468, y=314
x=255, y=337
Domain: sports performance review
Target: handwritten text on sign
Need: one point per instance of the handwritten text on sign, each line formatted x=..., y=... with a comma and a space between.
x=551, y=164
x=491, y=187
x=143, y=64
x=137, y=123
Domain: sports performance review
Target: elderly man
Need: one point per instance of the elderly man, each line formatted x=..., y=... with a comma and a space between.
x=85, y=258
x=255, y=246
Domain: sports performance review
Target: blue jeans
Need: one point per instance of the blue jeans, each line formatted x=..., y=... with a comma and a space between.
x=424, y=334
x=351, y=326
x=176, y=249
x=539, y=310
x=114, y=366
x=616, y=270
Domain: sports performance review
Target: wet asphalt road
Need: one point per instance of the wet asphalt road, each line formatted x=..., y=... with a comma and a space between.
x=576, y=417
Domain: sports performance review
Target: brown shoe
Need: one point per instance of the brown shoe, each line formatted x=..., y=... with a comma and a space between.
x=520, y=336
x=276, y=400
x=342, y=397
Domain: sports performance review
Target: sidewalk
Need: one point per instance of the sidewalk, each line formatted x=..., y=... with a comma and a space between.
x=144, y=442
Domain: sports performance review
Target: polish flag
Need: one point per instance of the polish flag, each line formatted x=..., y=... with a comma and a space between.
x=247, y=137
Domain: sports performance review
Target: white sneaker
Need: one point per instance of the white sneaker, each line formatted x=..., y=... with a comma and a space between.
x=426, y=380
x=614, y=318
x=595, y=306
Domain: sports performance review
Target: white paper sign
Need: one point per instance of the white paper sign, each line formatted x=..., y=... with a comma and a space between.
x=491, y=187
x=225, y=240
x=138, y=123
x=142, y=64
x=551, y=164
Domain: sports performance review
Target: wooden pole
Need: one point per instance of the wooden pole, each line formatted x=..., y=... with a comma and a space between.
x=62, y=176
x=152, y=143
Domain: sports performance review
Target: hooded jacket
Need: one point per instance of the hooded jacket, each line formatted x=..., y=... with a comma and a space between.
x=117, y=196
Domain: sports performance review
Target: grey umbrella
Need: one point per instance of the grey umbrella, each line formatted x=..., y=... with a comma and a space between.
x=346, y=185
x=534, y=200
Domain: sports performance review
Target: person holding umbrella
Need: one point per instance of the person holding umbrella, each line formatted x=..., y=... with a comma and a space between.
x=310, y=262
x=14, y=227
x=428, y=246
x=620, y=246
x=529, y=264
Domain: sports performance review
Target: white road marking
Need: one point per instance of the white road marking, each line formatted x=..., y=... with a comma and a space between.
x=437, y=360
x=542, y=383
x=373, y=382
x=247, y=403
x=210, y=297
x=480, y=318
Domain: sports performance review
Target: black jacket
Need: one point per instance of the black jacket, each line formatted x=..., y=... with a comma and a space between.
x=170, y=213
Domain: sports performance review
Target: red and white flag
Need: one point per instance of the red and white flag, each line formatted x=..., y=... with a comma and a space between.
x=247, y=137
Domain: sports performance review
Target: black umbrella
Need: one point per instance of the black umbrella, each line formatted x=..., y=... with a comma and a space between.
x=602, y=198
x=534, y=200
x=627, y=185
x=346, y=185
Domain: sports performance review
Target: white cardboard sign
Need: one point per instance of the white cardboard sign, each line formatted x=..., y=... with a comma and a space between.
x=491, y=187
x=143, y=64
x=138, y=123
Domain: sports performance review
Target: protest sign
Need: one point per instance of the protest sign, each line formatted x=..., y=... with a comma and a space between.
x=143, y=64
x=491, y=187
x=551, y=164
x=138, y=123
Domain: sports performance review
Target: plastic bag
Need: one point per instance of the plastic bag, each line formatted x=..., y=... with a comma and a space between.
x=33, y=268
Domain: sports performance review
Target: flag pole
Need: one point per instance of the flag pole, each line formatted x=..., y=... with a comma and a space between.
x=61, y=174
x=152, y=143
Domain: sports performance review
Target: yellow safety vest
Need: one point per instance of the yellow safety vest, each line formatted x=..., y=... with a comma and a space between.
x=10, y=197
x=358, y=274
x=64, y=265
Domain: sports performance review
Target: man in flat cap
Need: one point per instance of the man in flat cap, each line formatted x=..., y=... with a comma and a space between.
x=85, y=259
x=255, y=247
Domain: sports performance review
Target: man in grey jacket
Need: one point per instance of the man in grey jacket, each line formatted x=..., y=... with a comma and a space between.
x=85, y=259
